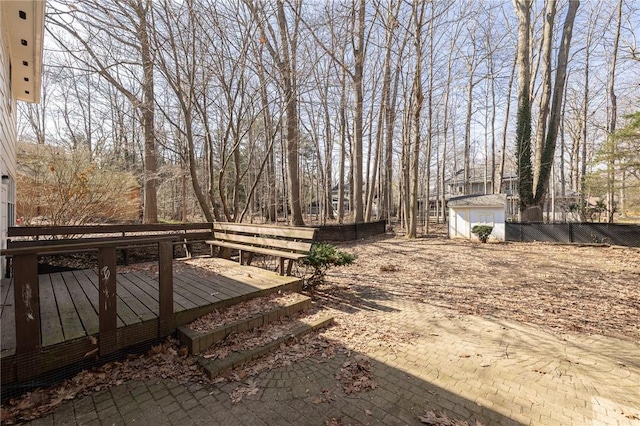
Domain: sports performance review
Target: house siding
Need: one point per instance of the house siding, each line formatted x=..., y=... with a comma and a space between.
x=7, y=140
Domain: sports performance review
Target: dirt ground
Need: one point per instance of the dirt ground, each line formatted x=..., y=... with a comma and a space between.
x=565, y=288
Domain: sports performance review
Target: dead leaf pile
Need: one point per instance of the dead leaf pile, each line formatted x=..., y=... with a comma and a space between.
x=249, y=389
x=260, y=336
x=166, y=360
x=439, y=419
x=356, y=376
x=243, y=310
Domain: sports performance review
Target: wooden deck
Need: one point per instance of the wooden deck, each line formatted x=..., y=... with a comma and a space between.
x=69, y=308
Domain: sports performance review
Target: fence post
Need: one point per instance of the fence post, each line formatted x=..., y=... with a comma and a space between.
x=521, y=231
x=107, y=314
x=27, y=315
x=570, y=232
x=166, y=323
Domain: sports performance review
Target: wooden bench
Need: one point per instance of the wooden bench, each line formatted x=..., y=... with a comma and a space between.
x=282, y=242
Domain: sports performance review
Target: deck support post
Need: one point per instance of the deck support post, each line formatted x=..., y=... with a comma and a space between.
x=166, y=325
x=107, y=313
x=27, y=314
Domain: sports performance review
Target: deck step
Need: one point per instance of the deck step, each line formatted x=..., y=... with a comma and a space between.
x=197, y=341
x=215, y=367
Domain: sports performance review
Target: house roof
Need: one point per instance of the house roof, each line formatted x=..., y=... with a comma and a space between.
x=493, y=200
x=23, y=23
x=477, y=174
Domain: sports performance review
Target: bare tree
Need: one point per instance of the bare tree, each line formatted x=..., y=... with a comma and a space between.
x=97, y=27
x=532, y=197
x=286, y=59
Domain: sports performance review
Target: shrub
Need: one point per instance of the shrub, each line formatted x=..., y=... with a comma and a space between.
x=321, y=258
x=482, y=231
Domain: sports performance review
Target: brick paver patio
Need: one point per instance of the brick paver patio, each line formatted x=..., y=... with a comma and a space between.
x=471, y=368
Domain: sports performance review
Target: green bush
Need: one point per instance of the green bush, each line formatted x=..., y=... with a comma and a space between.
x=482, y=231
x=322, y=257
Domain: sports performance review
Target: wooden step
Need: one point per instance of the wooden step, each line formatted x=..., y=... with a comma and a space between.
x=214, y=367
x=198, y=341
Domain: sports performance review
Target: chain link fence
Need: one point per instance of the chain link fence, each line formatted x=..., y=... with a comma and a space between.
x=581, y=233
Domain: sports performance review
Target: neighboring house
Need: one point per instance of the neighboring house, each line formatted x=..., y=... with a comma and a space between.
x=479, y=183
x=470, y=210
x=21, y=36
x=346, y=200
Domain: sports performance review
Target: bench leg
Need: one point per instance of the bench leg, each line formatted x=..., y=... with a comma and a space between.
x=289, y=266
x=248, y=258
x=281, y=265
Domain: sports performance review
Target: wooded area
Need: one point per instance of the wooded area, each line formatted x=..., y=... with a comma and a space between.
x=346, y=111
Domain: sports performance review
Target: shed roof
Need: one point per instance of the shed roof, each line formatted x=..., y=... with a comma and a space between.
x=493, y=200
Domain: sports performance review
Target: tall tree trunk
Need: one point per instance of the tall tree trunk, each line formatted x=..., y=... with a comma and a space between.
x=150, y=214
x=545, y=97
x=548, y=153
x=359, y=56
x=343, y=145
x=523, y=116
x=417, y=100
x=613, y=116
x=532, y=197
x=503, y=147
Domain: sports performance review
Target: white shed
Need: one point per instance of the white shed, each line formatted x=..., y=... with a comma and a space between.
x=470, y=210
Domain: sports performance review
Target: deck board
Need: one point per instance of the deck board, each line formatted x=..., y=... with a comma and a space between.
x=140, y=303
x=69, y=306
x=8, y=319
x=123, y=311
x=90, y=289
x=84, y=307
x=149, y=287
x=52, y=329
x=69, y=318
x=233, y=289
x=195, y=292
x=4, y=295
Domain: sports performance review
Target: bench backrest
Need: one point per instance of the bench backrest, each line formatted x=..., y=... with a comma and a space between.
x=287, y=238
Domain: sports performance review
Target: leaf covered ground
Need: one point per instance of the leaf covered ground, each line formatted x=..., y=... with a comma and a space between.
x=564, y=289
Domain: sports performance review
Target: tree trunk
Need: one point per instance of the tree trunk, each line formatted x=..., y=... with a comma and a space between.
x=545, y=97
x=613, y=116
x=548, y=153
x=528, y=211
x=358, y=54
x=417, y=100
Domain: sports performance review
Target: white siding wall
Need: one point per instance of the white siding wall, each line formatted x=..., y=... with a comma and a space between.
x=7, y=139
x=489, y=216
x=462, y=220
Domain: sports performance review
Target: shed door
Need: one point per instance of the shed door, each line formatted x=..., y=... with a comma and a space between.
x=462, y=223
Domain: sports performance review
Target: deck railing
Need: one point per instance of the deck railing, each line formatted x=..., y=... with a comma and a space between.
x=27, y=295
